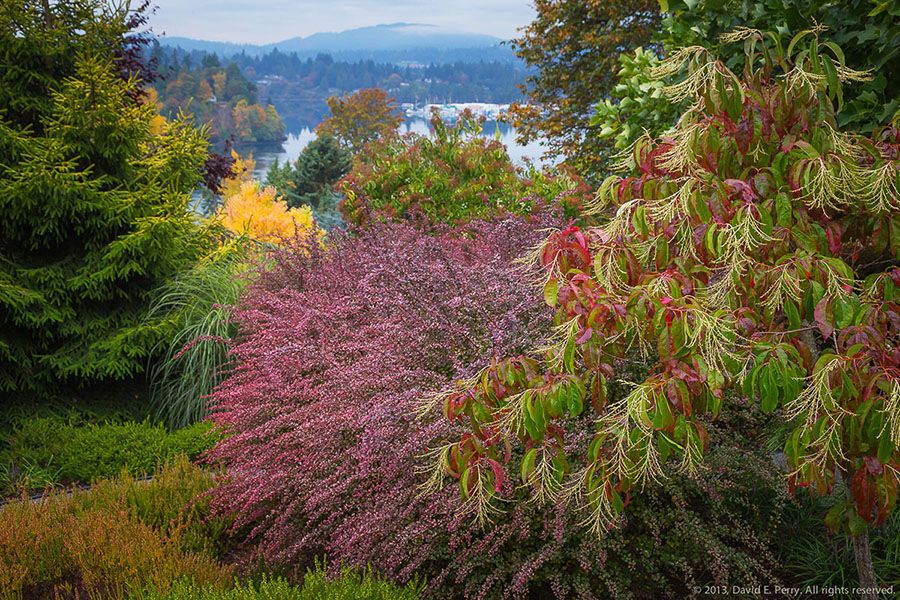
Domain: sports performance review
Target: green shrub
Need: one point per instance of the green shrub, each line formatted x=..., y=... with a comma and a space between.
x=637, y=104
x=454, y=176
x=73, y=451
x=316, y=586
x=120, y=538
x=866, y=30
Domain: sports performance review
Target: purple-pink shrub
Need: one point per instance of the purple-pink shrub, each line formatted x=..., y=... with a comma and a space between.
x=335, y=349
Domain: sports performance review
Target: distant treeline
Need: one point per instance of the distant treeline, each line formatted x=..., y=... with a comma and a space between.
x=298, y=87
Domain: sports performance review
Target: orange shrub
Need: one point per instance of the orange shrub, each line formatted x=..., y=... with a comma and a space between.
x=117, y=541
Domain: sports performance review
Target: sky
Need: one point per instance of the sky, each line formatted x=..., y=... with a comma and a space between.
x=266, y=21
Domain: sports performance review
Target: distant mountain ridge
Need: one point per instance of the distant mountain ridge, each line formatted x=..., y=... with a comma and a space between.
x=388, y=42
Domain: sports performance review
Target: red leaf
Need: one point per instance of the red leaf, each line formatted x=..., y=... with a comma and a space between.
x=821, y=315
x=833, y=234
x=584, y=335
x=498, y=474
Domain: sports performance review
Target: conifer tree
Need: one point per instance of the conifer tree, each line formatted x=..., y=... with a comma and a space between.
x=93, y=197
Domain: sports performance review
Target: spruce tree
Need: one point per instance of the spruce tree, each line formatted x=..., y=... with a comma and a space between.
x=93, y=200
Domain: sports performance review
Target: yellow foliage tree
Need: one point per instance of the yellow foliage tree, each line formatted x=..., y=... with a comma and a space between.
x=242, y=172
x=259, y=213
x=158, y=122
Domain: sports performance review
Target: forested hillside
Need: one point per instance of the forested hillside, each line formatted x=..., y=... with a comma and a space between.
x=298, y=87
x=220, y=96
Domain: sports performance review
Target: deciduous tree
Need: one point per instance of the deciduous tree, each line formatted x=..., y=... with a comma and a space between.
x=750, y=254
x=359, y=118
x=574, y=45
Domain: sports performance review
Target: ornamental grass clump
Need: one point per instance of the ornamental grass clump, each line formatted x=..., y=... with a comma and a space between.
x=334, y=348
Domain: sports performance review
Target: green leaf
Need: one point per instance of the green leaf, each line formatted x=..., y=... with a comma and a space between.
x=769, y=391
x=856, y=525
x=576, y=403
x=528, y=464
x=783, y=210
x=569, y=354
x=662, y=416
x=885, y=448
x=551, y=292
x=793, y=315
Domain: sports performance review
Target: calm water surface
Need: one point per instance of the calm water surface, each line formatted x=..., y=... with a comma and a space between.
x=298, y=139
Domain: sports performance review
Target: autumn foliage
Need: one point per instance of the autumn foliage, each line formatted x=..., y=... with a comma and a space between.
x=249, y=208
x=335, y=348
x=750, y=256
x=574, y=49
x=452, y=176
x=359, y=118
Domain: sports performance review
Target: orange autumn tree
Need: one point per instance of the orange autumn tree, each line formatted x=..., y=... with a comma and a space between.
x=359, y=118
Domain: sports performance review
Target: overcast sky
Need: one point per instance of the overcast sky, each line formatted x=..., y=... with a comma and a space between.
x=264, y=21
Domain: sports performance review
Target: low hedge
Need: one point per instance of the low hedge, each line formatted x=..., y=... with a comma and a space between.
x=46, y=450
x=117, y=540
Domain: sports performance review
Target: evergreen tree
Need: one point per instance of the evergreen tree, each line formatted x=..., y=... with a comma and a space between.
x=310, y=179
x=94, y=204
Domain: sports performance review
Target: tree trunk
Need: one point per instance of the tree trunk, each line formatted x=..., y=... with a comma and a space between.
x=862, y=551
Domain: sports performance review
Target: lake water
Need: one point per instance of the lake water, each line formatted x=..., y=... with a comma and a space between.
x=297, y=141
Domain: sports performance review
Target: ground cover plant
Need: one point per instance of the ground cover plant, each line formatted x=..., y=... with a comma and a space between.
x=49, y=450
x=115, y=541
x=752, y=251
x=317, y=585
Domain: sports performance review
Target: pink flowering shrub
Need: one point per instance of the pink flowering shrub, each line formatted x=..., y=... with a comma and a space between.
x=336, y=348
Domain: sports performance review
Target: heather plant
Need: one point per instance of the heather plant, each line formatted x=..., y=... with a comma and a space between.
x=452, y=176
x=114, y=541
x=334, y=348
x=316, y=586
x=751, y=253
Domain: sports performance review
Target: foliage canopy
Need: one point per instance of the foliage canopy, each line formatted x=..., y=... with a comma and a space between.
x=751, y=253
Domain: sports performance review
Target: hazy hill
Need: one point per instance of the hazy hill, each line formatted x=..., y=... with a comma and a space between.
x=395, y=42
